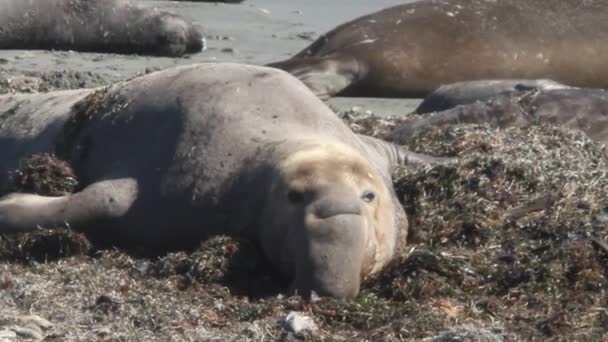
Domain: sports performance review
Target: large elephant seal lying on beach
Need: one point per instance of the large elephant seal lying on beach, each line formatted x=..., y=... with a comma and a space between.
x=96, y=26
x=411, y=49
x=181, y=154
x=585, y=109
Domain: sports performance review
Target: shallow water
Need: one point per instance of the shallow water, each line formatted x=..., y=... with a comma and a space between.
x=254, y=32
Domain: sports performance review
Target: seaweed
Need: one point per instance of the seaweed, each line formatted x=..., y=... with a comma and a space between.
x=510, y=245
x=100, y=102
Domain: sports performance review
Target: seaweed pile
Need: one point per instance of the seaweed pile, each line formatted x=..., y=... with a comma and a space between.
x=12, y=81
x=508, y=244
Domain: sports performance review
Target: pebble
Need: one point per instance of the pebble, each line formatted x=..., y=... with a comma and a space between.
x=29, y=326
x=314, y=297
x=298, y=323
x=310, y=35
x=37, y=320
x=29, y=331
x=8, y=336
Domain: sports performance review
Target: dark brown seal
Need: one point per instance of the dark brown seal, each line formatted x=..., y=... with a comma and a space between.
x=95, y=26
x=410, y=50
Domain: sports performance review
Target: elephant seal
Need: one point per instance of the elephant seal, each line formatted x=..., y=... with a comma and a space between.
x=411, y=49
x=179, y=155
x=585, y=109
x=460, y=93
x=95, y=26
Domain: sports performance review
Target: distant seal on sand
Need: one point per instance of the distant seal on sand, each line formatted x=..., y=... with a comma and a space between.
x=410, y=50
x=460, y=93
x=179, y=155
x=95, y=26
x=585, y=109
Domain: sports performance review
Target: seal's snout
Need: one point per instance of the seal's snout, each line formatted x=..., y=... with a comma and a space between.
x=195, y=41
x=331, y=254
x=178, y=36
x=328, y=207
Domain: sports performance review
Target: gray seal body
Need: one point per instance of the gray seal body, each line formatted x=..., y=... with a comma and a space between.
x=182, y=154
x=585, y=109
x=461, y=93
x=117, y=26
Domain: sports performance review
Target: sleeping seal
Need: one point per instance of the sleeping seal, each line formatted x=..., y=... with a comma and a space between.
x=185, y=153
x=411, y=49
x=585, y=109
x=95, y=26
x=460, y=93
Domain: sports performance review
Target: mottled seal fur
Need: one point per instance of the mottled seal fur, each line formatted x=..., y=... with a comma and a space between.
x=460, y=93
x=117, y=26
x=410, y=50
x=585, y=109
x=181, y=154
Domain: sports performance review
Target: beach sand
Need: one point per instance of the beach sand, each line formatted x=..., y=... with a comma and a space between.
x=254, y=32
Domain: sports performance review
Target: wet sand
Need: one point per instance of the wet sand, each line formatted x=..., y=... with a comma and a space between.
x=254, y=32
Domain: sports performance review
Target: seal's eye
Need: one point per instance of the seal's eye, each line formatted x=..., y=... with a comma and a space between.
x=295, y=196
x=368, y=196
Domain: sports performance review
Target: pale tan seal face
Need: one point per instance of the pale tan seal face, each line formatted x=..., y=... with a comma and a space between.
x=334, y=220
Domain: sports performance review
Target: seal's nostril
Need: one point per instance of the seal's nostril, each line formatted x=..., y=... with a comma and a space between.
x=295, y=196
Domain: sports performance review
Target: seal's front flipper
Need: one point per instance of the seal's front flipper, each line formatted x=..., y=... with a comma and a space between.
x=21, y=212
x=325, y=76
x=407, y=157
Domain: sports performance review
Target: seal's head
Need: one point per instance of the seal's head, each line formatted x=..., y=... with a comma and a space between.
x=330, y=220
x=175, y=36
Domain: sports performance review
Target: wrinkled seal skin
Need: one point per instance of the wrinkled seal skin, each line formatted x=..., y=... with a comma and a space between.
x=410, y=50
x=95, y=26
x=460, y=93
x=585, y=109
x=179, y=155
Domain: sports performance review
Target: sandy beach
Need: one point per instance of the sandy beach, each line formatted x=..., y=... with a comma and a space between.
x=254, y=32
